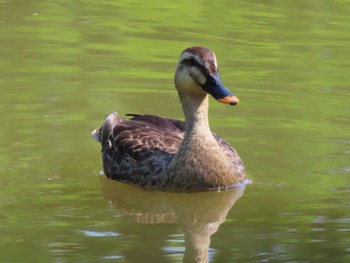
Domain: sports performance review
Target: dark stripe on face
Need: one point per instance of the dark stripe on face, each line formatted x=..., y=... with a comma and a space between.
x=192, y=62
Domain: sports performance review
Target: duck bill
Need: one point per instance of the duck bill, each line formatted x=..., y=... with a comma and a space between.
x=216, y=88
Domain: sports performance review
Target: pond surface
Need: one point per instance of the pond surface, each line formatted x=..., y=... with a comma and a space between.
x=64, y=65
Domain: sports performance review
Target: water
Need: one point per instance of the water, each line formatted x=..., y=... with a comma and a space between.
x=64, y=65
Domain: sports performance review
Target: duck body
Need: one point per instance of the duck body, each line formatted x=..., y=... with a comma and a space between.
x=170, y=154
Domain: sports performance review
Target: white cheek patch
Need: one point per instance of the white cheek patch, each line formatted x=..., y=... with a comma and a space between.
x=198, y=76
x=184, y=77
x=195, y=73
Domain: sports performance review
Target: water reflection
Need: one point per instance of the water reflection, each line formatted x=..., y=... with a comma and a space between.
x=199, y=215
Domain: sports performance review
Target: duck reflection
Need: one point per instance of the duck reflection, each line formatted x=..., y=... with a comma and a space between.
x=199, y=215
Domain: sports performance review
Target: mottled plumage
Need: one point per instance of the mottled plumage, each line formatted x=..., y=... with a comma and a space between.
x=170, y=154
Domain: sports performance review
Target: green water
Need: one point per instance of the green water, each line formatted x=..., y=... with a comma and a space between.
x=64, y=65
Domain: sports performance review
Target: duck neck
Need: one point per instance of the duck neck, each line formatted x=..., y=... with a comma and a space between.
x=196, y=114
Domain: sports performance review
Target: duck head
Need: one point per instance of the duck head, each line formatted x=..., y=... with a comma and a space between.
x=197, y=74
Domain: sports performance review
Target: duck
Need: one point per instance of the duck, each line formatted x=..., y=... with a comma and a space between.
x=169, y=154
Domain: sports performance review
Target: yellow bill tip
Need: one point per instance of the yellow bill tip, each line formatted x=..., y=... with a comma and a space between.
x=230, y=99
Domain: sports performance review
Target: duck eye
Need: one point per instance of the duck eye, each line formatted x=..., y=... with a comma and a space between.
x=193, y=63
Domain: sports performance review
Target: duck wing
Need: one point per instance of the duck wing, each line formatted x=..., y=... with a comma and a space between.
x=139, y=149
x=168, y=124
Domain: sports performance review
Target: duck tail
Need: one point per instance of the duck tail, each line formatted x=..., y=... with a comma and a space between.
x=101, y=134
